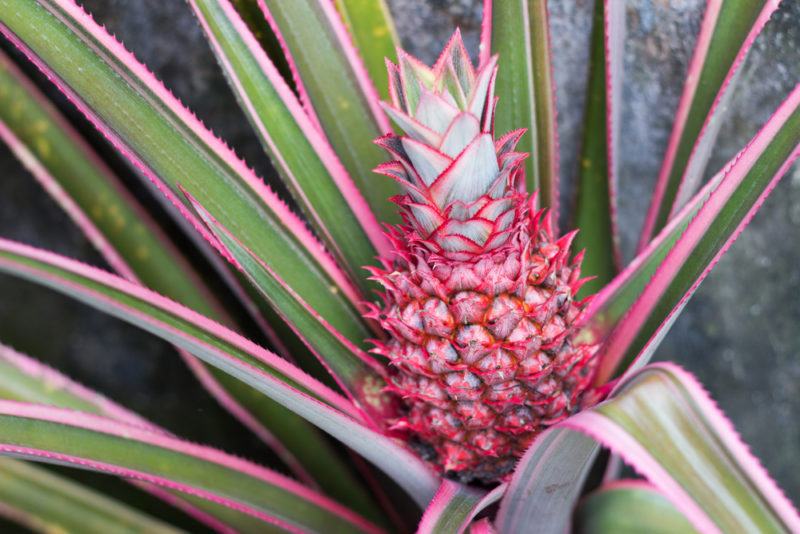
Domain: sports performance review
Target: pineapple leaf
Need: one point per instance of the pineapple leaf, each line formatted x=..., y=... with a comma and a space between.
x=118, y=227
x=547, y=483
x=371, y=27
x=726, y=35
x=662, y=423
x=226, y=350
x=629, y=507
x=337, y=90
x=169, y=145
x=24, y=379
x=46, y=502
x=44, y=433
x=131, y=243
x=525, y=87
x=354, y=370
x=610, y=306
x=300, y=153
x=595, y=215
x=454, y=506
x=745, y=183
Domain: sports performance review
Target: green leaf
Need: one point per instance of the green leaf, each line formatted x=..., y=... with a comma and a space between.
x=300, y=154
x=45, y=502
x=518, y=31
x=337, y=91
x=25, y=379
x=358, y=373
x=252, y=16
x=226, y=350
x=662, y=423
x=92, y=442
x=629, y=507
x=596, y=201
x=371, y=26
x=547, y=482
x=746, y=181
x=173, y=148
x=615, y=300
x=121, y=230
x=726, y=35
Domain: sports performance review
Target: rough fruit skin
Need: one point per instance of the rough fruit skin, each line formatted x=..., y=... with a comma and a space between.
x=481, y=350
x=479, y=303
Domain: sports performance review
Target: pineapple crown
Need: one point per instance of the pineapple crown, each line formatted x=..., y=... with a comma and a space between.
x=461, y=199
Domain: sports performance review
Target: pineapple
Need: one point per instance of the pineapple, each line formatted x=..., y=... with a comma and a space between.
x=480, y=298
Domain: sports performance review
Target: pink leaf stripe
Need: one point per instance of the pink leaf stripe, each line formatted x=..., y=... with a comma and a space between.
x=102, y=425
x=56, y=381
x=629, y=483
x=539, y=9
x=681, y=115
x=485, y=43
x=614, y=32
x=351, y=54
x=357, y=64
x=41, y=174
x=128, y=67
x=218, y=229
x=690, y=175
x=484, y=526
x=445, y=495
x=241, y=413
x=338, y=417
x=296, y=78
x=625, y=333
x=602, y=426
x=311, y=131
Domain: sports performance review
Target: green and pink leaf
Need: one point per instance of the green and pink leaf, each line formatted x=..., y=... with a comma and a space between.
x=226, y=350
x=742, y=189
x=727, y=33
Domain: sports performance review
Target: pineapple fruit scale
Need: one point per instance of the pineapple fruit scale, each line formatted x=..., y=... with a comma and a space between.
x=479, y=299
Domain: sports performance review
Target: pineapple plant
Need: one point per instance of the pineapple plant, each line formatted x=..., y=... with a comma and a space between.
x=428, y=316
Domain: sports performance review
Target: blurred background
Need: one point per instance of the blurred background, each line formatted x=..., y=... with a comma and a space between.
x=740, y=334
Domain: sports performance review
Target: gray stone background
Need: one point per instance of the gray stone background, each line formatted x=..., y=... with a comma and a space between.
x=740, y=334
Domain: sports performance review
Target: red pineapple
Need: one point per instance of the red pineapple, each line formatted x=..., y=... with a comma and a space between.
x=480, y=298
